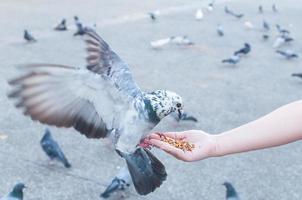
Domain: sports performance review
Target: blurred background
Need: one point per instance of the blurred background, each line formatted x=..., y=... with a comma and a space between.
x=220, y=95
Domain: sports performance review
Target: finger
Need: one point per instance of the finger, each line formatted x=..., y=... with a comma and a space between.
x=155, y=136
x=168, y=148
x=175, y=135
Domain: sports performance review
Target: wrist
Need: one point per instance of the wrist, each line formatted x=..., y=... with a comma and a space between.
x=217, y=150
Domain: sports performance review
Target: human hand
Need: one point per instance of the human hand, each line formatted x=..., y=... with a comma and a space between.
x=205, y=144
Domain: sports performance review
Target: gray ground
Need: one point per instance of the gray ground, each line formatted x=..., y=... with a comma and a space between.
x=221, y=96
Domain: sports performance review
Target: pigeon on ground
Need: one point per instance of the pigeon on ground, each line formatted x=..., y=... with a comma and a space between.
x=260, y=9
x=265, y=37
x=103, y=101
x=61, y=26
x=243, y=51
x=266, y=26
x=233, y=60
x=228, y=11
x=281, y=30
x=288, y=54
x=153, y=15
x=120, y=183
x=181, y=40
x=211, y=6
x=199, y=15
x=28, y=37
x=299, y=75
x=282, y=40
x=274, y=8
x=157, y=44
x=231, y=193
x=52, y=149
x=248, y=25
x=219, y=30
x=16, y=193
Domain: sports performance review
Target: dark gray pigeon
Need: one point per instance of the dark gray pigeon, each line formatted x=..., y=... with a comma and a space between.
x=120, y=183
x=230, y=12
x=231, y=193
x=266, y=25
x=265, y=37
x=61, y=26
x=16, y=193
x=103, y=101
x=243, y=51
x=232, y=60
x=52, y=149
x=80, y=28
x=299, y=75
x=219, y=30
x=288, y=54
x=28, y=37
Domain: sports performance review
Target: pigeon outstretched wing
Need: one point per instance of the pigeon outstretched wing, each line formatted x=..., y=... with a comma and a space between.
x=102, y=60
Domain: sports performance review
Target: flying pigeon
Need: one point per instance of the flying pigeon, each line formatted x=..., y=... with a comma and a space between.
x=28, y=37
x=199, y=15
x=61, y=26
x=243, y=51
x=231, y=193
x=52, y=149
x=219, y=30
x=282, y=40
x=103, y=99
x=16, y=193
x=233, y=60
x=120, y=183
x=266, y=25
x=260, y=9
x=181, y=40
x=288, y=54
x=281, y=30
x=299, y=75
x=274, y=8
x=157, y=44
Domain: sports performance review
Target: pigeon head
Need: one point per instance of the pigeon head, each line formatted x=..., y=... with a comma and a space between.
x=17, y=191
x=47, y=134
x=162, y=103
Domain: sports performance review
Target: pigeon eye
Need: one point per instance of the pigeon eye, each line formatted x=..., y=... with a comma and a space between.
x=178, y=105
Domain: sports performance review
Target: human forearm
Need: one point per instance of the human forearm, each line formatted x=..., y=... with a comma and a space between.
x=282, y=126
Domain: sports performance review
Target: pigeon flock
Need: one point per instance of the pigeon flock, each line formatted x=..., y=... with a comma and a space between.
x=104, y=100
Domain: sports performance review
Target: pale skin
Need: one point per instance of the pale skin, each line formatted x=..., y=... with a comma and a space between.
x=279, y=127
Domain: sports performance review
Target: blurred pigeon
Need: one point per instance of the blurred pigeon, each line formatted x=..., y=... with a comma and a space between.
x=80, y=28
x=274, y=8
x=248, y=25
x=28, y=37
x=243, y=51
x=281, y=30
x=120, y=183
x=281, y=41
x=231, y=193
x=219, y=30
x=299, y=75
x=61, y=26
x=103, y=101
x=52, y=149
x=16, y=193
x=288, y=54
x=266, y=25
x=210, y=7
x=156, y=44
x=233, y=60
x=181, y=40
x=228, y=11
x=199, y=14
x=260, y=9
x=184, y=117
x=265, y=37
